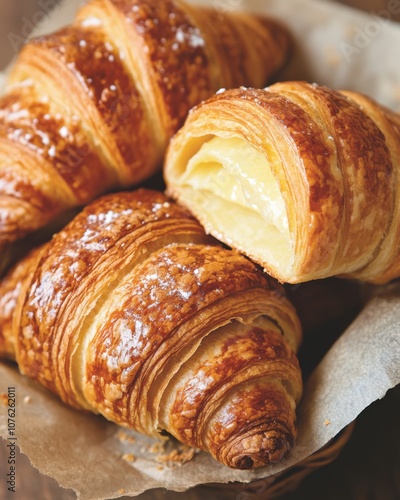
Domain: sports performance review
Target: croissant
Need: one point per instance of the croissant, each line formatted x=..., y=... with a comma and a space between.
x=90, y=108
x=301, y=178
x=133, y=312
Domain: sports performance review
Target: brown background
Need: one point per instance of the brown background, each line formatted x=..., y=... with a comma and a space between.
x=369, y=466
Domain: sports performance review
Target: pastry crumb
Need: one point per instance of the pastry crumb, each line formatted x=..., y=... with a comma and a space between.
x=171, y=454
x=129, y=457
x=156, y=448
x=121, y=491
x=178, y=456
x=27, y=400
x=327, y=422
x=124, y=437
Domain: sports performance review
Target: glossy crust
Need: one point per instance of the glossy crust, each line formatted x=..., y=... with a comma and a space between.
x=133, y=312
x=12, y=287
x=91, y=107
x=338, y=169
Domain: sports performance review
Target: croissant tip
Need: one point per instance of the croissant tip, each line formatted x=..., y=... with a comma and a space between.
x=245, y=463
x=260, y=450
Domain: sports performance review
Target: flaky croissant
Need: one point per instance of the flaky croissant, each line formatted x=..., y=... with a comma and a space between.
x=134, y=313
x=301, y=178
x=91, y=108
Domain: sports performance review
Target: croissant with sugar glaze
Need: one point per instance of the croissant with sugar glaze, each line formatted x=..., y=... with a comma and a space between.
x=133, y=312
x=301, y=178
x=90, y=108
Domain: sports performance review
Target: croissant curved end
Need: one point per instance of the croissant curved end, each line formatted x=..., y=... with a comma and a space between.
x=265, y=447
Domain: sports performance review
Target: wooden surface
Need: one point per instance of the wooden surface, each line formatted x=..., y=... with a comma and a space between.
x=369, y=466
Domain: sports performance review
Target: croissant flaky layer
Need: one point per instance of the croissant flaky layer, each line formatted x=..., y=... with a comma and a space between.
x=300, y=178
x=91, y=107
x=134, y=313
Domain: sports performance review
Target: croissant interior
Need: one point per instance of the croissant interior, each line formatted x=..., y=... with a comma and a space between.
x=238, y=194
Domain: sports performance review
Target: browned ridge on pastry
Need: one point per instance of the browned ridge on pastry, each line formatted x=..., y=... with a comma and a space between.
x=90, y=108
x=133, y=312
x=301, y=178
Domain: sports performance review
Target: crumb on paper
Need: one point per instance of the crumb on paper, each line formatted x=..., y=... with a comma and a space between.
x=27, y=400
x=4, y=399
x=129, y=457
x=176, y=457
x=160, y=467
x=121, y=491
x=171, y=453
x=156, y=448
x=124, y=437
x=327, y=422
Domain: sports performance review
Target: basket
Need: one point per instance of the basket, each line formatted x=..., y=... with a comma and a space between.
x=287, y=481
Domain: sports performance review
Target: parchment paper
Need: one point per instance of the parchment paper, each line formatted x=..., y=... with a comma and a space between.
x=92, y=456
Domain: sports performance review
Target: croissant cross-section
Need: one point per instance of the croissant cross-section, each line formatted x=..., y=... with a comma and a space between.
x=301, y=178
x=133, y=312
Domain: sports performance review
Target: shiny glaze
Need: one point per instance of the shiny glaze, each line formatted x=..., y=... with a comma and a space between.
x=367, y=169
x=160, y=295
x=11, y=289
x=225, y=31
x=365, y=166
x=91, y=108
x=176, y=48
x=68, y=261
x=97, y=65
x=254, y=427
x=125, y=305
x=54, y=139
x=248, y=354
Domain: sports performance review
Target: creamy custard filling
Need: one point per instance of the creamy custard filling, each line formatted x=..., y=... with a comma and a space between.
x=238, y=196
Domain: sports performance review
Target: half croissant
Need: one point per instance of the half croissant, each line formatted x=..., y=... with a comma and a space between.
x=301, y=178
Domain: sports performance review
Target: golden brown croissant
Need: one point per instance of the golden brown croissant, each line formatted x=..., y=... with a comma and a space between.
x=300, y=178
x=11, y=288
x=134, y=313
x=91, y=107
